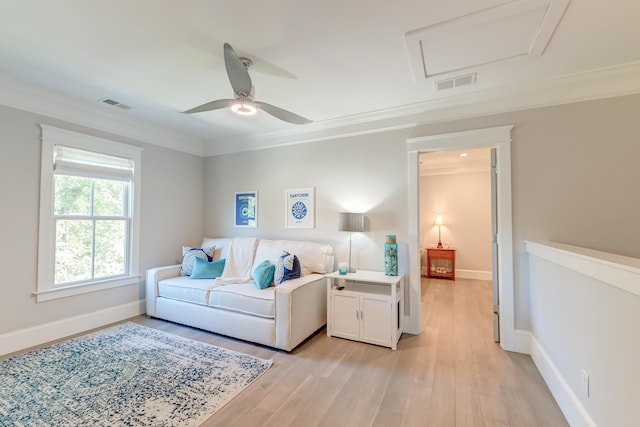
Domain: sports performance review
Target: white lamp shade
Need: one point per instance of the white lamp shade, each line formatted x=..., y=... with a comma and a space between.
x=439, y=220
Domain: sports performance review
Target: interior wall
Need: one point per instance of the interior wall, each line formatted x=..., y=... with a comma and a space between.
x=585, y=309
x=171, y=209
x=464, y=199
x=362, y=174
x=571, y=169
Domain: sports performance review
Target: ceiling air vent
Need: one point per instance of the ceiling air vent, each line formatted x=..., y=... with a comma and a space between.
x=115, y=103
x=454, y=82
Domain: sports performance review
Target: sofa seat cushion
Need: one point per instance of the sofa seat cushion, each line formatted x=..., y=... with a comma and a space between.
x=244, y=298
x=184, y=289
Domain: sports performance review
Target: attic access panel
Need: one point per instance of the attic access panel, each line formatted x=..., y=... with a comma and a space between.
x=521, y=27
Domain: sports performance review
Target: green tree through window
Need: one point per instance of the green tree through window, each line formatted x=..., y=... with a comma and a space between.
x=91, y=226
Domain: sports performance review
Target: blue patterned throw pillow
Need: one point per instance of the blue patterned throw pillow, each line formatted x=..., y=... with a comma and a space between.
x=288, y=268
x=190, y=254
x=203, y=269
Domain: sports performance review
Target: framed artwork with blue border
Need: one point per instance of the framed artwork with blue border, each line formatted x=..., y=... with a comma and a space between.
x=300, y=208
x=246, y=209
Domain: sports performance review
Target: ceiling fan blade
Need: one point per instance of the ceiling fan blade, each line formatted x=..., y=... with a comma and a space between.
x=263, y=66
x=281, y=114
x=237, y=72
x=213, y=105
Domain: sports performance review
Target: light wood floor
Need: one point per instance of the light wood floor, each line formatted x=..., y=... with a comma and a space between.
x=453, y=374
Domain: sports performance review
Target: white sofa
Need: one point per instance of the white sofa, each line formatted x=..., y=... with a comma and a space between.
x=280, y=317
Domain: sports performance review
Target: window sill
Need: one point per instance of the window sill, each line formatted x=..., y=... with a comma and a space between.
x=85, y=288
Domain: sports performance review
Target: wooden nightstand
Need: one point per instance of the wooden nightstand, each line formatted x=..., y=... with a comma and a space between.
x=441, y=263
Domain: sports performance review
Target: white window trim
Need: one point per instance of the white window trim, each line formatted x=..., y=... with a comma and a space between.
x=50, y=137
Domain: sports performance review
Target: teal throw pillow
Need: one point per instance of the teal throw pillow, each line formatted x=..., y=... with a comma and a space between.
x=263, y=274
x=190, y=254
x=203, y=269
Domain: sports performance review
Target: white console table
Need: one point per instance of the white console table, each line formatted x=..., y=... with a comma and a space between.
x=365, y=306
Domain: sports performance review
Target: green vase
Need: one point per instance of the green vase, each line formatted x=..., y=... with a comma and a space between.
x=391, y=256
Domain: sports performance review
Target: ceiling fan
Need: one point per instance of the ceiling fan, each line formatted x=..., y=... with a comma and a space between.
x=243, y=102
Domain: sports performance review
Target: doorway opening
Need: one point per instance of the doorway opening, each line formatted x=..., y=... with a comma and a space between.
x=456, y=210
x=500, y=139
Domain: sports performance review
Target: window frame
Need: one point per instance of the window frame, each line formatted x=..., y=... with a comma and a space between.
x=52, y=136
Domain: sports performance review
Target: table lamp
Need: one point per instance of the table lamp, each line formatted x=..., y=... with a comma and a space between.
x=353, y=223
x=439, y=223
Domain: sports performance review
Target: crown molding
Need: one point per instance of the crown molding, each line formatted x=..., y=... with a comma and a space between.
x=241, y=144
x=608, y=82
x=44, y=102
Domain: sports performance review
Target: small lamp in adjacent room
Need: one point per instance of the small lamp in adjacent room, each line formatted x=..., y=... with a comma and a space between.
x=439, y=223
x=353, y=223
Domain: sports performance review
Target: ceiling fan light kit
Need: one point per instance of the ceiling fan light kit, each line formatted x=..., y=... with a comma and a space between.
x=243, y=102
x=244, y=107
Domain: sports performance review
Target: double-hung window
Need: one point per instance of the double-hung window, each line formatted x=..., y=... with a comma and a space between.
x=89, y=218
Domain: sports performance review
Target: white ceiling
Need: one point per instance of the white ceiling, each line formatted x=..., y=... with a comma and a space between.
x=339, y=63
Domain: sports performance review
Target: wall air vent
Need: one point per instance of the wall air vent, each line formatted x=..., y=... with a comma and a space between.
x=115, y=103
x=454, y=82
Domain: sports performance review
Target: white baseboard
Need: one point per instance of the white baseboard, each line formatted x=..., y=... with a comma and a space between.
x=516, y=340
x=473, y=274
x=407, y=327
x=466, y=274
x=573, y=410
x=36, y=335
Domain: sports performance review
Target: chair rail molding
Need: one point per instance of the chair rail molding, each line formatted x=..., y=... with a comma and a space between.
x=616, y=270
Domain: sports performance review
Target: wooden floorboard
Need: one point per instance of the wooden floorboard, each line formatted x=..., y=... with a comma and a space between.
x=452, y=374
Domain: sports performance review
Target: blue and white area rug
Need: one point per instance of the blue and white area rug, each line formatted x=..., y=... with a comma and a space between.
x=126, y=375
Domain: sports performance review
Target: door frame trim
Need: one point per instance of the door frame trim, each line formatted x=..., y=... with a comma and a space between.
x=500, y=139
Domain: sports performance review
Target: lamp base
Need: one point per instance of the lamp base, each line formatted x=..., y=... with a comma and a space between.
x=439, y=245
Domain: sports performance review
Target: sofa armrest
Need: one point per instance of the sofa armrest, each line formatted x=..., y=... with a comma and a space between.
x=154, y=275
x=301, y=309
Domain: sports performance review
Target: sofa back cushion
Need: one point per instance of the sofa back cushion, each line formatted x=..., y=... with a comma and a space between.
x=222, y=246
x=313, y=257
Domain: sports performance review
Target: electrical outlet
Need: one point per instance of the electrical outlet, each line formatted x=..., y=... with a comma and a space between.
x=585, y=383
